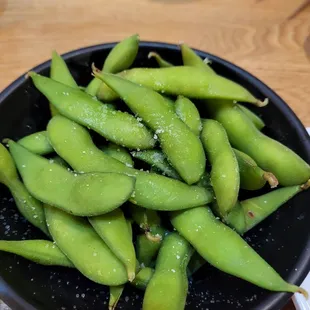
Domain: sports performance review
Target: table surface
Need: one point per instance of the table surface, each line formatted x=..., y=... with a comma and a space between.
x=255, y=34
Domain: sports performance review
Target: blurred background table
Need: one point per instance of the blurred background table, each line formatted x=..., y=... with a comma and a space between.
x=255, y=34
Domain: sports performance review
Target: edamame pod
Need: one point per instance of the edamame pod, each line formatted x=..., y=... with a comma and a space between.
x=225, y=178
x=190, y=58
x=113, y=229
x=119, y=153
x=253, y=177
x=27, y=205
x=146, y=250
x=189, y=114
x=74, y=144
x=86, y=194
x=169, y=276
x=256, y=120
x=85, y=249
x=118, y=127
x=143, y=278
x=39, y=251
x=120, y=58
x=157, y=159
x=60, y=73
x=182, y=148
x=189, y=82
x=269, y=154
x=115, y=294
x=37, y=143
x=162, y=63
x=229, y=253
x=250, y=212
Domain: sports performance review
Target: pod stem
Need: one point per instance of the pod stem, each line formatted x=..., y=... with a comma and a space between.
x=131, y=275
x=152, y=54
x=95, y=70
x=271, y=179
x=305, y=186
x=302, y=291
x=263, y=103
x=157, y=238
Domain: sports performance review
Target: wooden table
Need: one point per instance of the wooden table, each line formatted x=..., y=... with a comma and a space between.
x=254, y=34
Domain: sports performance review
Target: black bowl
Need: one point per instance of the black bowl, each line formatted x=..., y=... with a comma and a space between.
x=283, y=239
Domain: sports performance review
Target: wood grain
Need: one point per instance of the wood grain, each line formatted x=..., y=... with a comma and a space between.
x=256, y=35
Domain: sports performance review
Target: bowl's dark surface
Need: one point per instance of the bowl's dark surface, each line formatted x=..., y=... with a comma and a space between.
x=282, y=239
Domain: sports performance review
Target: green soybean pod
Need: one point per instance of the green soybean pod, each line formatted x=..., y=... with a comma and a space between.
x=74, y=144
x=115, y=295
x=120, y=58
x=60, y=73
x=37, y=143
x=250, y=212
x=190, y=82
x=162, y=63
x=147, y=250
x=226, y=250
x=169, y=276
x=113, y=229
x=190, y=58
x=87, y=194
x=182, y=148
x=256, y=120
x=118, y=152
x=253, y=177
x=76, y=238
x=143, y=278
x=27, y=205
x=189, y=114
x=225, y=177
x=288, y=168
x=42, y=252
x=118, y=127
x=157, y=159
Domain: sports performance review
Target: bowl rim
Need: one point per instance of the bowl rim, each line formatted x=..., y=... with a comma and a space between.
x=277, y=300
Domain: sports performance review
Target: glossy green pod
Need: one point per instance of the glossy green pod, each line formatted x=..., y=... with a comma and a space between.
x=60, y=73
x=146, y=250
x=190, y=58
x=115, y=295
x=27, y=205
x=74, y=144
x=223, y=248
x=116, y=126
x=253, y=177
x=42, y=252
x=256, y=120
x=189, y=114
x=187, y=81
x=182, y=148
x=113, y=229
x=87, y=194
x=162, y=63
x=225, y=177
x=168, y=286
x=121, y=57
x=288, y=168
x=37, y=143
x=85, y=249
x=118, y=152
x=157, y=159
x=143, y=278
x=250, y=212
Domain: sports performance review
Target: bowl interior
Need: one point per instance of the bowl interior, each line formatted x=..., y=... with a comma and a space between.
x=282, y=239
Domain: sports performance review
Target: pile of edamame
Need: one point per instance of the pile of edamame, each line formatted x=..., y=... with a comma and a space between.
x=89, y=195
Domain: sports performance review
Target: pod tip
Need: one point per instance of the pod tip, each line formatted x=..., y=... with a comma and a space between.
x=152, y=54
x=271, y=179
x=306, y=185
x=30, y=74
x=263, y=103
x=131, y=275
x=303, y=292
x=207, y=61
x=155, y=238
